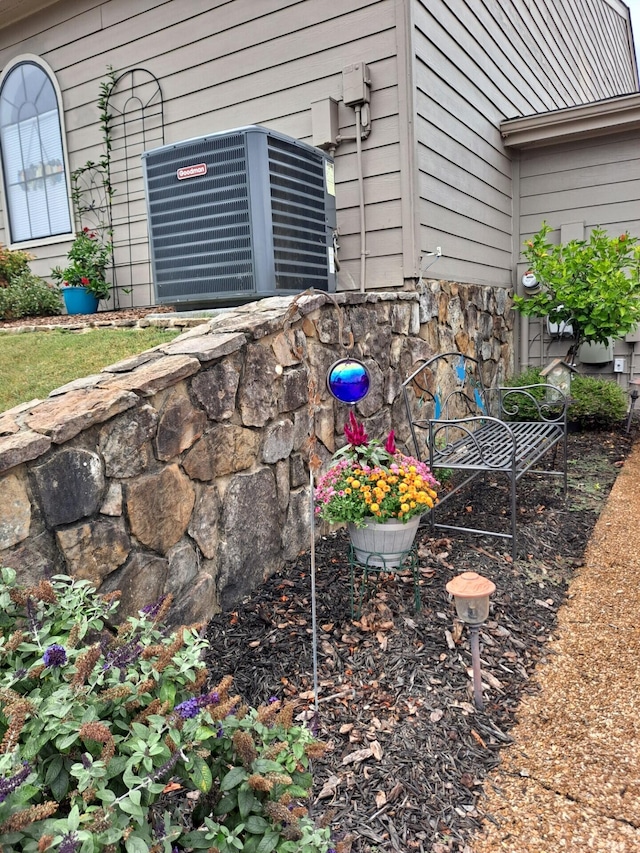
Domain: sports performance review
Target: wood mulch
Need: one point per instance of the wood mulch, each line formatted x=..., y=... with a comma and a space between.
x=86, y=319
x=408, y=752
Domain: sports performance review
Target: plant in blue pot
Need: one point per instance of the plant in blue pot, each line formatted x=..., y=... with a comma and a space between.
x=83, y=281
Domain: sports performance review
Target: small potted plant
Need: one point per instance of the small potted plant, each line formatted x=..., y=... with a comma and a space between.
x=379, y=492
x=83, y=281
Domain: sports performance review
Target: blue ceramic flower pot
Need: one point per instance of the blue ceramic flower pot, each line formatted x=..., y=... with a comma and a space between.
x=78, y=300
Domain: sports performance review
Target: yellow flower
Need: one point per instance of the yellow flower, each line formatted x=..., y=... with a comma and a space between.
x=347, y=491
x=355, y=484
x=404, y=507
x=374, y=507
x=403, y=488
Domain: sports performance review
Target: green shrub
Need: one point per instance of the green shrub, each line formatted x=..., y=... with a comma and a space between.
x=596, y=402
x=95, y=722
x=27, y=295
x=12, y=264
x=523, y=407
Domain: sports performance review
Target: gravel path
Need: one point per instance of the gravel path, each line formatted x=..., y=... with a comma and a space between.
x=571, y=780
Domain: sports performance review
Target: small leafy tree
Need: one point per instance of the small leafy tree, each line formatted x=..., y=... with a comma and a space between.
x=593, y=284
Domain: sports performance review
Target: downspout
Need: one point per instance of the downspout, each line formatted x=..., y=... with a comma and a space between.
x=523, y=327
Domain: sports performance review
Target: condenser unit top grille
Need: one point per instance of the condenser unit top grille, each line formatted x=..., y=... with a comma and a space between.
x=237, y=214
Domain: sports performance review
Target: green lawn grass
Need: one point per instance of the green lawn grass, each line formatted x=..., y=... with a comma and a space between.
x=34, y=363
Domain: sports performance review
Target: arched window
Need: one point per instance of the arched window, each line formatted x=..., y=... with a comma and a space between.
x=36, y=192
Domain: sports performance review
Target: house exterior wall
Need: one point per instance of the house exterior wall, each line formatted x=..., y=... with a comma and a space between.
x=477, y=63
x=224, y=65
x=575, y=187
x=444, y=74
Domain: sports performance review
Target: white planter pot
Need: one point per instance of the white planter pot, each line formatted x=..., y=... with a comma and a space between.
x=383, y=544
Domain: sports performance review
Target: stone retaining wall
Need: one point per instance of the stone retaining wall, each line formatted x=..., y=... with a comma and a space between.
x=185, y=469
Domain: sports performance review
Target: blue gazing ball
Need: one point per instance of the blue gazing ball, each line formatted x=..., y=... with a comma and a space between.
x=348, y=380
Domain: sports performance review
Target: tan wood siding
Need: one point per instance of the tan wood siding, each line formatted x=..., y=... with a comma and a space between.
x=595, y=181
x=476, y=63
x=226, y=64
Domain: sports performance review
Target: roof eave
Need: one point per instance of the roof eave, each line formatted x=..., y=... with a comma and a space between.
x=613, y=115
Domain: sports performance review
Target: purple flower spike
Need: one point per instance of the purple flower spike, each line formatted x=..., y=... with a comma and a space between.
x=55, y=655
x=69, y=844
x=8, y=786
x=188, y=709
x=208, y=699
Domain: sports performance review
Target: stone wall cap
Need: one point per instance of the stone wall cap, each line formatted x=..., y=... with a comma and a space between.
x=61, y=418
x=133, y=361
x=154, y=376
x=21, y=447
x=11, y=420
x=77, y=384
x=207, y=346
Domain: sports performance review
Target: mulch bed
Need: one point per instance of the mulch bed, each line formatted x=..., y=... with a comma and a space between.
x=102, y=316
x=407, y=749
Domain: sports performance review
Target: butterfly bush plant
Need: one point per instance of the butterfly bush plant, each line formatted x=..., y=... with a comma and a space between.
x=369, y=481
x=111, y=740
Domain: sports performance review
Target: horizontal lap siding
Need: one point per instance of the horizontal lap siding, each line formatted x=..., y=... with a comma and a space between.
x=464, y=175
x=477, y=63
x=227, y=64
x=594, y=181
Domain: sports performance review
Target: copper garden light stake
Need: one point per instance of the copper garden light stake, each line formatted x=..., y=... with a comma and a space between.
x=471, y=594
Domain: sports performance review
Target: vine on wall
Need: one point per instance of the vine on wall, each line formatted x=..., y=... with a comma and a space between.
x=91, y=188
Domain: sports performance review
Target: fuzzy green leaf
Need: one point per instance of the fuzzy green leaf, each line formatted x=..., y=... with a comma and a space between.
x=200, y=774
x=233, y=778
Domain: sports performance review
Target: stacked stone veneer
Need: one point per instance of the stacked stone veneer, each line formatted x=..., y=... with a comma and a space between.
x=184, y=469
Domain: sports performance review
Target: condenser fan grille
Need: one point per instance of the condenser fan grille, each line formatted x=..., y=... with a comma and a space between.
x=238, y=214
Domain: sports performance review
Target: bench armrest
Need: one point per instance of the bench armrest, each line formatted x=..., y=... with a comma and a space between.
x=540, y=401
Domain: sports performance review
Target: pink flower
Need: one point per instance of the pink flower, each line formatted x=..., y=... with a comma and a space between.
x=354, y=432
x=390, y=445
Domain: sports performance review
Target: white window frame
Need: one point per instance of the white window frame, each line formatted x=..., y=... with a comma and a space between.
x=56, y=238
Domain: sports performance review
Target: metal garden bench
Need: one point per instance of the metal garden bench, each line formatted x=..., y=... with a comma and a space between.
x=458, y=423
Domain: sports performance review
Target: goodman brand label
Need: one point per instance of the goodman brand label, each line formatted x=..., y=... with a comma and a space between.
x=192, y=171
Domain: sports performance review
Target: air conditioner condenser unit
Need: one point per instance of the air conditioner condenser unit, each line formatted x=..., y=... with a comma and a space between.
x=238, y=215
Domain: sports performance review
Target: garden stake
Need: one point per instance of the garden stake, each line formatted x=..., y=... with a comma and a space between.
x=474, y=631
x=351, y=379
x=314, y=632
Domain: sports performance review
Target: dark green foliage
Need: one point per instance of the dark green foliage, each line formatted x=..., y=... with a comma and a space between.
x=596, y=402
x=94, y=724
x=594, y=284
x=527, y=409
x=27, y=295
